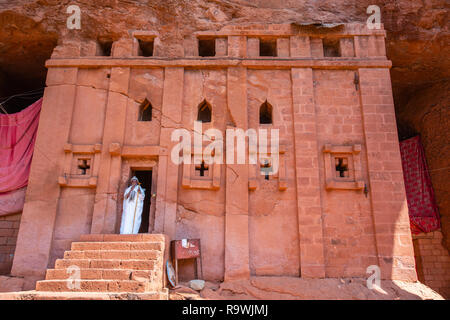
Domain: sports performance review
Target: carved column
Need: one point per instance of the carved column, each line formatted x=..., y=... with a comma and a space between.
x=312, y=262
x=389, y=206
x=167, y=193
x=105, y=208
x=237, y=175
x=39, y=213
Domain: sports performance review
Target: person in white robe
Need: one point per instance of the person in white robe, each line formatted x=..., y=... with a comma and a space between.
x=132, y=208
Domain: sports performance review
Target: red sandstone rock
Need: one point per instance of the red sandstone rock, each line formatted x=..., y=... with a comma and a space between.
x=303, y=221
x=275, y=288
x=256, y=242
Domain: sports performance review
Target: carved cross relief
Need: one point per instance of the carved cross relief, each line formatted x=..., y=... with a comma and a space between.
x=343, y=167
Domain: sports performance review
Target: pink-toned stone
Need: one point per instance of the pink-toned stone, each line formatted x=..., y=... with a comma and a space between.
x=292, y=224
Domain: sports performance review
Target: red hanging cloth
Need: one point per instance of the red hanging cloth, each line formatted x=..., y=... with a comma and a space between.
x=17, y=138
x=423, y=211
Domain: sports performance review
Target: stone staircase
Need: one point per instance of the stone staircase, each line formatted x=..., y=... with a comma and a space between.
x=109, y=266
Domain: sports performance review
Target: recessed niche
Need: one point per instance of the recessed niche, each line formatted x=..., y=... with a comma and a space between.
x=206, y=47
x=145, y=111
x=105, y=47
x=265, y=113
x=201, y=175
x=331, y=47
x=204, y=112
x=268, y=47
x=145, y=48
x=81, y=165
x=343, y=167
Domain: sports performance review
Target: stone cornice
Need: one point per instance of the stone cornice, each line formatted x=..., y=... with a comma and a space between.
x=260, y=63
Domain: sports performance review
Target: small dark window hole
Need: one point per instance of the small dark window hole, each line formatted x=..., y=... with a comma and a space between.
x=105, y=47
x=331, y=47
x=145, y=48
x=265, y=113
x=206, y=47
x=268, y=47
x=204, y=112
x=145, y=111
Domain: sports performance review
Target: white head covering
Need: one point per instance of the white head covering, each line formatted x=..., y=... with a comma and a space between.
x=133, y=193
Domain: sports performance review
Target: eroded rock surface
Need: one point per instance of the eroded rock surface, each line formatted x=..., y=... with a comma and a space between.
x=417, y=31
x=287, y=288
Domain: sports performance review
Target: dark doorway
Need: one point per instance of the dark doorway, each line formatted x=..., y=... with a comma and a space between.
x=145, y=179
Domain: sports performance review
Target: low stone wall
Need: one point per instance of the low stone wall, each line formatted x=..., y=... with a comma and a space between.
x=432, y=262
x=9, y=228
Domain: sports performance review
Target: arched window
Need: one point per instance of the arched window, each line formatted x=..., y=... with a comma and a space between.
x=265, y=113
x=145, y=111
x=204, y=112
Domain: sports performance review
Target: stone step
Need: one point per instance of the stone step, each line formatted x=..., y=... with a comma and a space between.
x=110, y=267
x=147, y=237
x=120, y=245
x=91, y=286
x=135, y=264
x=112, y=254
x=100, y=274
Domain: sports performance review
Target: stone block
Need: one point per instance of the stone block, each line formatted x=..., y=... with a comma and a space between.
x=300, y=47
x=316, y=47
x=221, y=47
x=190, y=45
x=283, y=50
x=252, y=47
x=122, y=48
x=347, y=47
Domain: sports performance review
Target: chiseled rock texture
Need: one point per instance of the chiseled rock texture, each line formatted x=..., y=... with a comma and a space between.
x=428, y=113
x=417, y=31
x=264, y=288
x=287, y=288
x=327, y=289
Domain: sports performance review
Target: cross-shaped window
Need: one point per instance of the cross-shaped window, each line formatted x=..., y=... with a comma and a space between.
x=266, y=168
x=342, y=167
x=202, y=168
x=83, y=165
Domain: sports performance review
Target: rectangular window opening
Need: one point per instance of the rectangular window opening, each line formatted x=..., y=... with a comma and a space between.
x=268, y=47
x=145, y=48
x=105, y=47
x=145, y=111
x=331, y=47
x=207, y=47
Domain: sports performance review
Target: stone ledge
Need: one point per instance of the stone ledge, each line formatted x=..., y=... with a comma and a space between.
x=261, y=63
